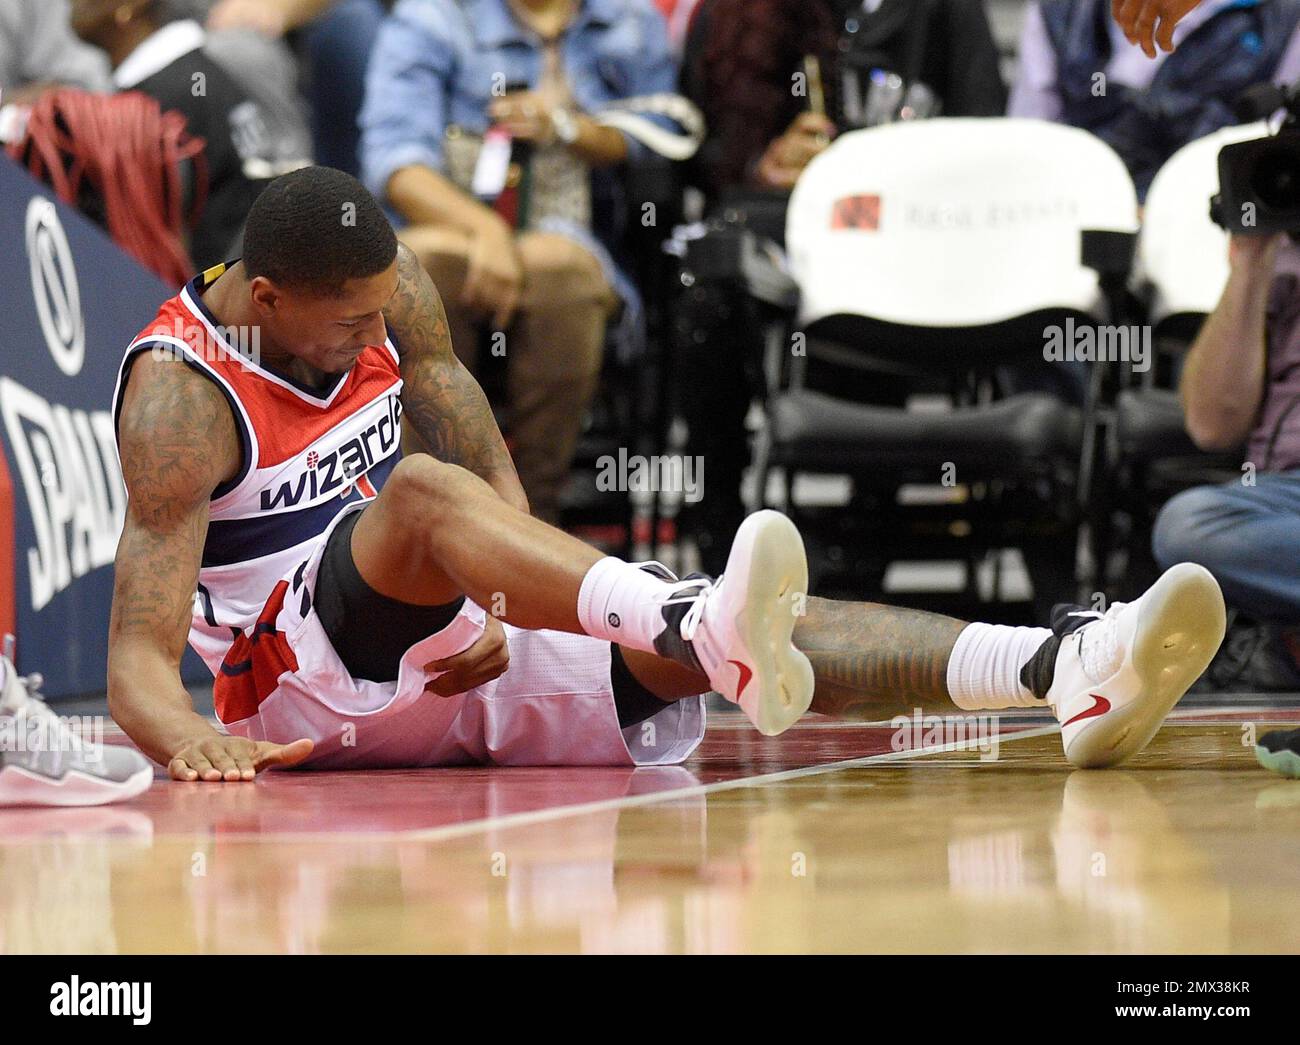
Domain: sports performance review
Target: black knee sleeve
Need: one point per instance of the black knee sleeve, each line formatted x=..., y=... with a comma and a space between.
x=370, y=632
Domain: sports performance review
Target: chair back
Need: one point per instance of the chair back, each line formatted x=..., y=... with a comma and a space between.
x=952, y=225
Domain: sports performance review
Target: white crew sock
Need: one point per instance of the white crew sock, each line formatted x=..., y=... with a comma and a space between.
x=620, y=602
x=984, y=669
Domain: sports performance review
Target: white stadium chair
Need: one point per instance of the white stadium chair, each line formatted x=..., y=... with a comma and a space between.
x=939, y=251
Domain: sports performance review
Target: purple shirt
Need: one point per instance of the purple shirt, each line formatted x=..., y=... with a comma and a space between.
x=1035, y=95
x=1275, y=442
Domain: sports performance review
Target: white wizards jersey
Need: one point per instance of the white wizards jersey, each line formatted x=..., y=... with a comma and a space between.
x=307, y=453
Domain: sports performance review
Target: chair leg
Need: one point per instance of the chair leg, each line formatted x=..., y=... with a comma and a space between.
x=762, y=468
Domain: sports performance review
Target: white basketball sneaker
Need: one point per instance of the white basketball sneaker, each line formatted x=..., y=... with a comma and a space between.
x=1118, y=674
x=44, y=763
x=738, y=629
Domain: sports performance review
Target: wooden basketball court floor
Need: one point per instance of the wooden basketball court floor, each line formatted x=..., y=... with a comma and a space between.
x=827, y=839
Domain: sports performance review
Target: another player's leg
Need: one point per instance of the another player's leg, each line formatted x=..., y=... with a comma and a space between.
x=437, y=532
x=43, y=763
x=1110, y=678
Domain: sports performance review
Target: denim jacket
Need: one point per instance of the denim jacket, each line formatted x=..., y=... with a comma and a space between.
x=435, y=63
x=1193, y=90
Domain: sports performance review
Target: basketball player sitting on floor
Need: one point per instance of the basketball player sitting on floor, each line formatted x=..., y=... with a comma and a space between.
x=331, y=515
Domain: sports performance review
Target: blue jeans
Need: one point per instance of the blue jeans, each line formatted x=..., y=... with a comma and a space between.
x=1247, y=536
x=338, y=46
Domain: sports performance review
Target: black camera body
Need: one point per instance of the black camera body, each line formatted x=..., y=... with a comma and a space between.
x=1259, y=179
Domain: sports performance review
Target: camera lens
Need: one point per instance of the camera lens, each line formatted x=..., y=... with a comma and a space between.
x=1274, y=181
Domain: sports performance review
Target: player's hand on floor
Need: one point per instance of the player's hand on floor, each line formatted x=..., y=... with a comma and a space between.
x=1149, y=23
x=219, y=758
x=484, y=661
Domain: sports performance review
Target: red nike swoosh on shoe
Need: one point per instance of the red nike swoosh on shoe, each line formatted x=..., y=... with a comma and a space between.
x=745, y=675
x=1101, y=706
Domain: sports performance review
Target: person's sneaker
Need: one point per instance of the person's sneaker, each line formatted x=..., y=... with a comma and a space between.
x=62, y=770
x=737, y=630
x=1117, y=675
x=1279, y=751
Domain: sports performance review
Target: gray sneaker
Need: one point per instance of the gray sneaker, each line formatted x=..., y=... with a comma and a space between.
x=44, y=763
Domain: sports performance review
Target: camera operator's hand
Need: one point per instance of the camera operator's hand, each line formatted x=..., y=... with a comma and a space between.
x=787, y=156
x=1254, y=253
x=1225, y=372
x=1149, y=23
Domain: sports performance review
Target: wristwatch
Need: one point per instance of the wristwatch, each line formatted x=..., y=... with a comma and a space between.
x=566, y=126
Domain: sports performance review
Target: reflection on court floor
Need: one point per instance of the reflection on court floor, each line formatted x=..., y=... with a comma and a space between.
x=832, y=838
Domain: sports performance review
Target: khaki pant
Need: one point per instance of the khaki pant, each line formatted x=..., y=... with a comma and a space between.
x=553, y=348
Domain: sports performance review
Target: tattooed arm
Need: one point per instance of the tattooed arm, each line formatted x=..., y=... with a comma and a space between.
x=443, y=406
x=178, y=442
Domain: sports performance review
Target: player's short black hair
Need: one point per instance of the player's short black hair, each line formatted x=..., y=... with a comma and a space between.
x=316, y=228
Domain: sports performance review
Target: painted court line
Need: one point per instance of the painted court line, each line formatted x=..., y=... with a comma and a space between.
x=540, y=816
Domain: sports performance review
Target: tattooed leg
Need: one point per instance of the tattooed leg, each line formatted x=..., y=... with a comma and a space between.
x=871, y=661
